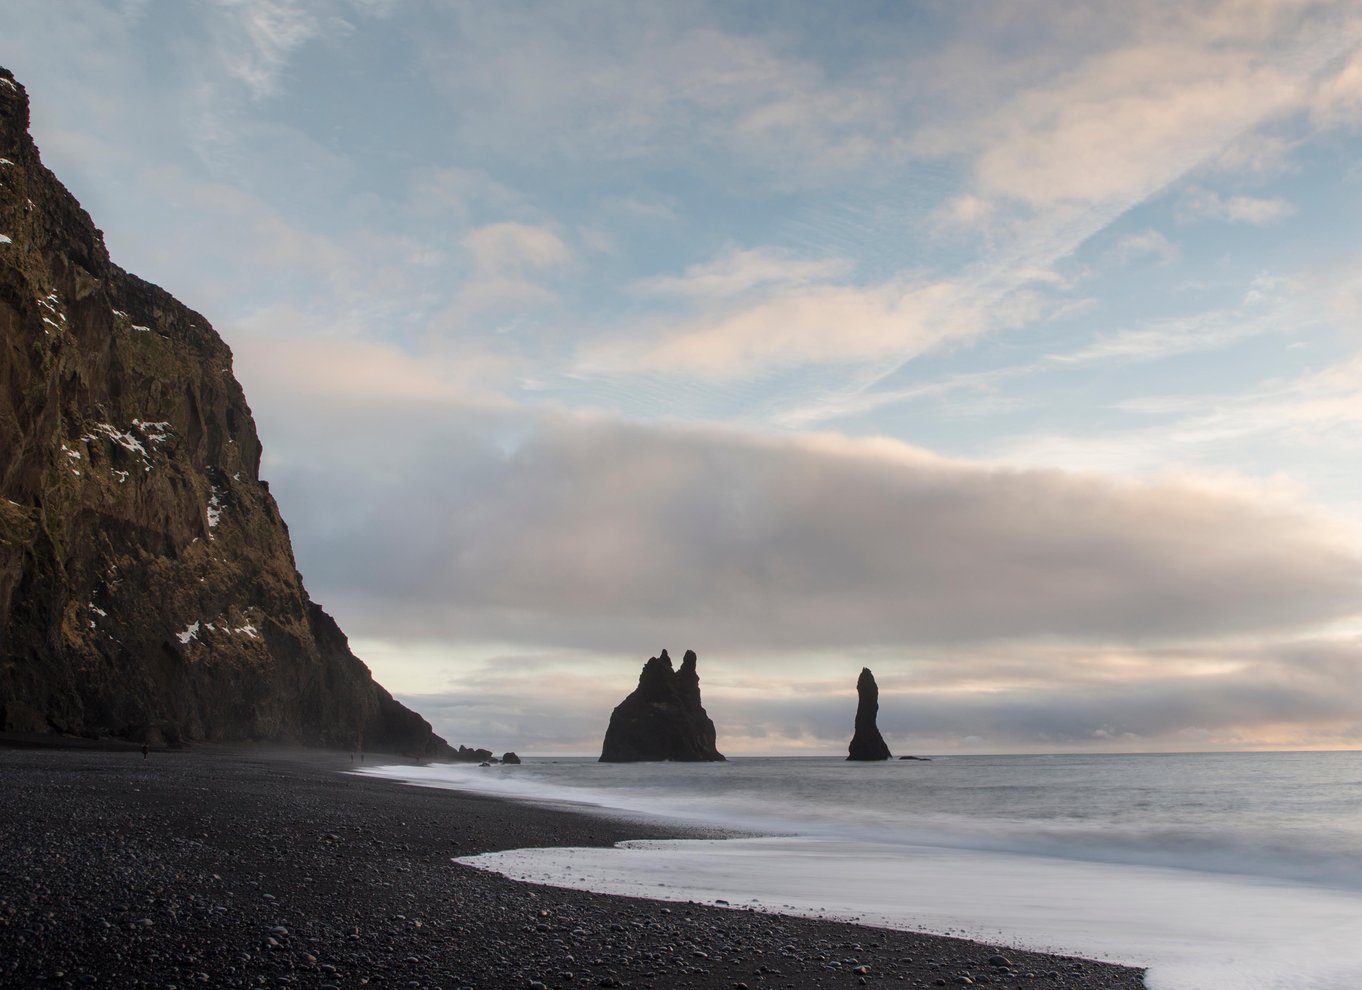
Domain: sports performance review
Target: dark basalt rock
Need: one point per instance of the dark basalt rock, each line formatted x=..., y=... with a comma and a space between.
x=510, y=759
x=663, y=718
x=867, y=743
x=147, y=584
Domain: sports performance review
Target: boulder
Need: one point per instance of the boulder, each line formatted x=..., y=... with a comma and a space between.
x=510, y=758
x=663, y=718
x=867, y=743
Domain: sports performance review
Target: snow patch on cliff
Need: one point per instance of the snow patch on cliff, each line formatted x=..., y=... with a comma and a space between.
x=214, y=510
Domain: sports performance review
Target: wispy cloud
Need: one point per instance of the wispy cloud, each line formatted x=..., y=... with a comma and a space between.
x=1337, y=101
x=736, y=272
x=1146, y=244
x=259, y=36
x=667, y=80
x=1257, y=210
x=508, y=260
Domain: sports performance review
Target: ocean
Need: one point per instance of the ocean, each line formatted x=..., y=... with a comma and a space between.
x=1223, y=870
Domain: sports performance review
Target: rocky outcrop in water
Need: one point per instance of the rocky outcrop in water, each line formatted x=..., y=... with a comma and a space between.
x=147, y=583
x=663, y=718
x=867, y=743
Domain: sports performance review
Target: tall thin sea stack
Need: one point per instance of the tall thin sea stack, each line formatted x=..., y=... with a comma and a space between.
x=867, y=744
x=663, y=718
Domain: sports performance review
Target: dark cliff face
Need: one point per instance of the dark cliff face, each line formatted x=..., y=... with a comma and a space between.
x=867, y=743
x=147, y=583
x=663, y=718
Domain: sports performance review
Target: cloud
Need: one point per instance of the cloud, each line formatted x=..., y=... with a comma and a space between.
x=1337, y=100
x=510, y=247
x=508, y=258
x=1320, y=410
x=736, y=272
x=1257, y=153
x=1166, y=89
x=583, y=532
x=1058, y=147
x=1259, y=211
x=1270, y=305
x=1125, y=124
x=666, y=81
x=461, y=192
x=1144, y=244
x=282, y=366
x=819, y=323
x=270, y=31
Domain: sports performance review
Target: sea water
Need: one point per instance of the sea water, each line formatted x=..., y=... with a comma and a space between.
x=1213, y=870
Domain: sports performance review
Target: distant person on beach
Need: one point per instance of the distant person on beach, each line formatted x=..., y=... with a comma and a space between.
x=144, y=751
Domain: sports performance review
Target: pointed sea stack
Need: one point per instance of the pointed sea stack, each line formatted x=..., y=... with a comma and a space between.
x=663, y=718
x=867, y=743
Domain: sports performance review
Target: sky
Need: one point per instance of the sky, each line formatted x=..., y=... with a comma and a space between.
x=1013, y=350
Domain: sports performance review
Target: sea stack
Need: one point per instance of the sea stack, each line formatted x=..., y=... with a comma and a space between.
x=867, y=743
x=663, y=718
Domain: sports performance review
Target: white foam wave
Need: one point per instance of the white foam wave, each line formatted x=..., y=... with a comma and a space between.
x=1193, y=931
x=1325, y=857
x=1266, y=899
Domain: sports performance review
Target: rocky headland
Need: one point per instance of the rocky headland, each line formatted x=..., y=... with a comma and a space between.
x=147, y=583
x=867, y=743
x=663, y=718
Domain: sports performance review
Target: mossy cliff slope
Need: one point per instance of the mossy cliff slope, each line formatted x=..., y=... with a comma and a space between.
x=147, y=584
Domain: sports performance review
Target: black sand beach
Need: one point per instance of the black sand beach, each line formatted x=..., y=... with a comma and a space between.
x=241, y=868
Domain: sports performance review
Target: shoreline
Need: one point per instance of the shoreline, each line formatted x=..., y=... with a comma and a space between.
x=244, y=866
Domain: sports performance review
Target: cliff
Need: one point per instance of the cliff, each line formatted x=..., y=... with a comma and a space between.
x=147, y=583
x=663, y=718
x=867, y=743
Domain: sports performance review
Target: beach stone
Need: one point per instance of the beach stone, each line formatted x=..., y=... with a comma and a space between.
x=999, y=960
